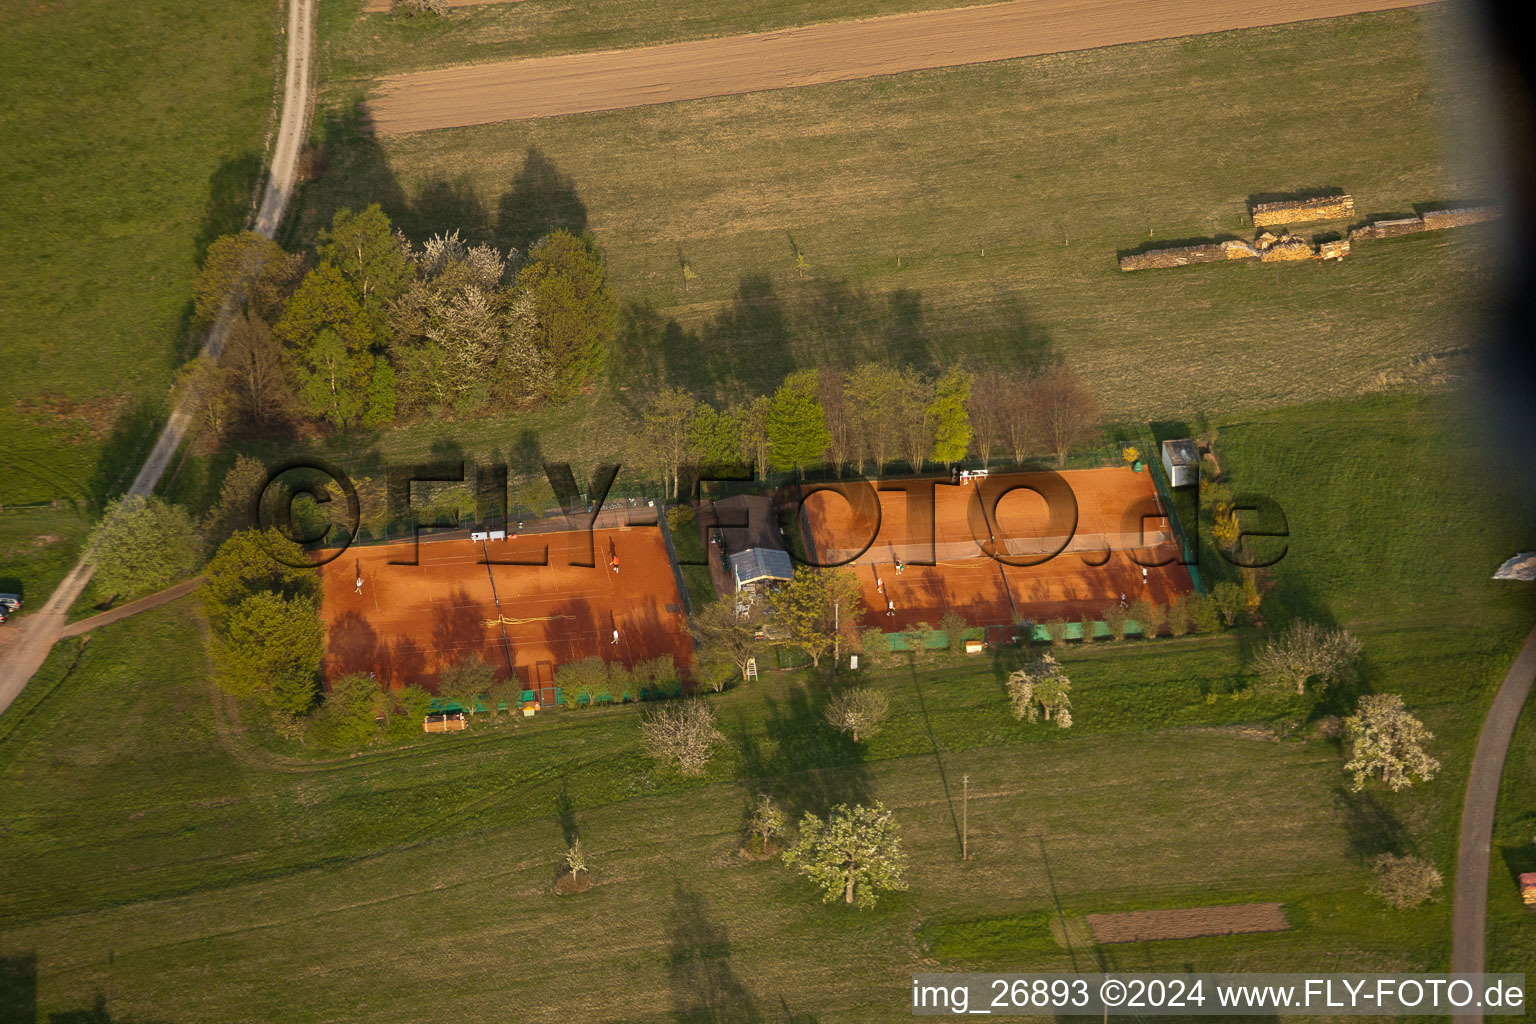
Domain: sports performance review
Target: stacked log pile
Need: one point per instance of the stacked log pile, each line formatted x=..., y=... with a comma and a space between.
x=1286, y=247
x=1303, y=211
x=1386, y=229
x=1181, y=256
x=1455, y=218
x=1435, y=220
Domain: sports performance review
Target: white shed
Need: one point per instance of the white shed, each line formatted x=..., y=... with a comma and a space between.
x=1182, y=461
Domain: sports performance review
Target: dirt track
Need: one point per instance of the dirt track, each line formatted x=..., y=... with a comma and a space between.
x=385, y=6
x=580, y=82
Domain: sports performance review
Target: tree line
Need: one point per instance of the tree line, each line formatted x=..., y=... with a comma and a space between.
x=368, y=327
x=869, y=418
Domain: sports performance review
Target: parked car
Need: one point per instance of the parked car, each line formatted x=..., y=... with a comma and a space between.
x=10, y=602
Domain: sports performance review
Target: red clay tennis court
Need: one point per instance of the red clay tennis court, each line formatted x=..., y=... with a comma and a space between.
x=967, y=555
x=409, y=622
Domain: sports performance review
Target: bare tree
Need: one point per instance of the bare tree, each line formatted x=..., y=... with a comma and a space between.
x=682, y=735
x=1066, y=412
x=1304, y=652
x=1404, y=882
x=253, y=359
x=858, y=710
x=874, y=394
x=834, y=403
x=1018, y=424
x=990, y=396
x=667, y=435
x=915, y=427
x=723, y=638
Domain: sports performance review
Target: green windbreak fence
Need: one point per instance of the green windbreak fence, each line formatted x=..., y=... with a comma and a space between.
x=1160, y=479
x=661, y=691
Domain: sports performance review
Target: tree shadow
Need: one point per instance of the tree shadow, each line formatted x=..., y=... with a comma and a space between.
x=802, y=761
x=525, y=458
x=705, y=988
x=938, y=758
x=565, y=812
x=542, y=200
x=97, y=1014
x=230, y=188
x=442, y=206
x=122, y=452
x=1371, y=827
x=18, y=987
x=1519, y=857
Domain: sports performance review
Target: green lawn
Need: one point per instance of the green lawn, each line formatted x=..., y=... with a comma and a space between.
x=40, y=545
x=1511, y=937
x=134, y=136
x=1004, y=190
x=153, y=841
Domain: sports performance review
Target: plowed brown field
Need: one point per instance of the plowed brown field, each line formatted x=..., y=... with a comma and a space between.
x=1187, y=922
x=833, y=52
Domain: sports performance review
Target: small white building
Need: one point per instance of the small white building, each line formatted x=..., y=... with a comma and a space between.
x=1181, y=460
x=760, y=565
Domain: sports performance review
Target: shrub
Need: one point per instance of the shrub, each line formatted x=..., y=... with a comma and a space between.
x=413, y=8
x=622, y=682
x=1204, y=615
x=655, y=672
x=1087, y=624
x=876, y=644
x=583, y=676
x=680, y=517
x=1057, y=628
x=953, y=627
x=1404, y=882
x=1228, y=600
x=1115, y=618
x=1148, y=616
x=348, y=717
x=1178, y=616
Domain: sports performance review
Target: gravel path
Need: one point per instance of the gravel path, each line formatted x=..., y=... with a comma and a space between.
x=1469, y=913
x=834, y=52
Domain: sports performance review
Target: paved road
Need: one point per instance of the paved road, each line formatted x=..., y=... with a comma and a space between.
x=832, y=52
x=1469, y=913
x=38, y=632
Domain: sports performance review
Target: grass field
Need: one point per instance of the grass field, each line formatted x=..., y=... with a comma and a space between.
x=1005, y=191
x=134, y=137
x=1511, y=939
x=365, y=46
x=154, y=845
